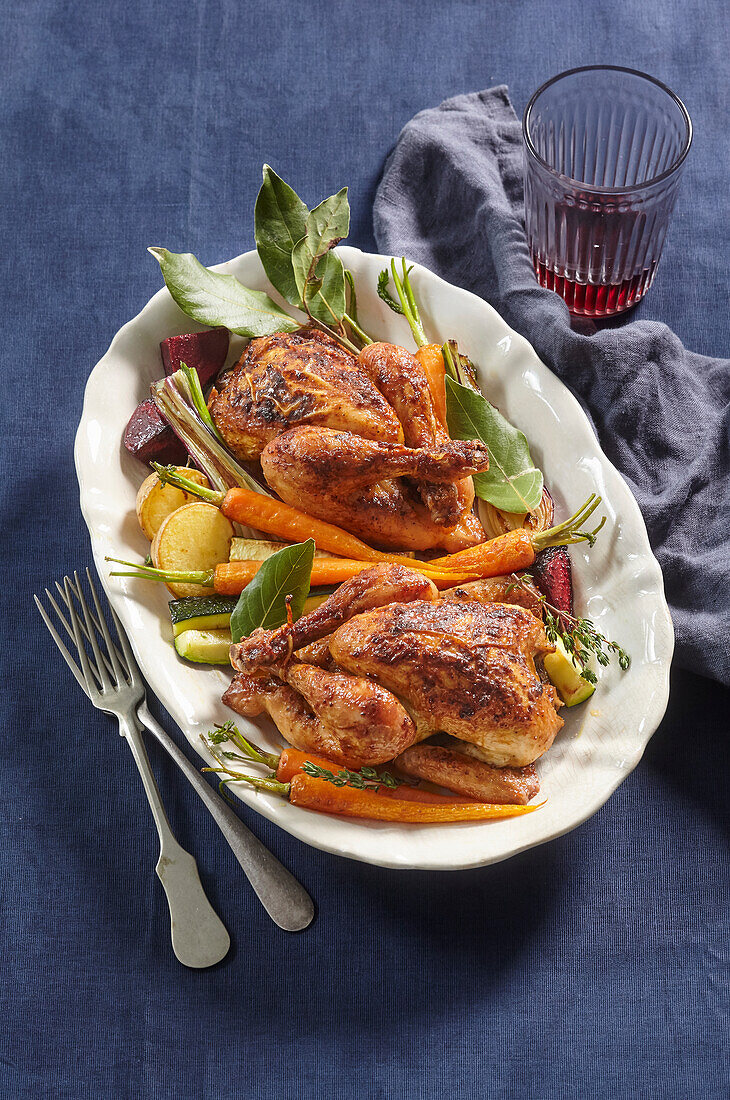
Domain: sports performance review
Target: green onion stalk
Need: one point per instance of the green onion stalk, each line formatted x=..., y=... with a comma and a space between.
x=179, y=397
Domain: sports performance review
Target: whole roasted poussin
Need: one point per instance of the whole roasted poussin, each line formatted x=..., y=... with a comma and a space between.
x=399, y=658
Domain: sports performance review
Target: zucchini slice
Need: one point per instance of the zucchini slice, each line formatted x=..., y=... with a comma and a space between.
x=201, y=613
x=204, y=647
x=565, y=675
x=214, y=612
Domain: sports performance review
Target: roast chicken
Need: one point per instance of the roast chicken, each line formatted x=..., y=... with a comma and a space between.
x=384, y=663
x=352, y=440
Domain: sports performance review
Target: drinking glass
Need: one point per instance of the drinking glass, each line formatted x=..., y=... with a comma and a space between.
x=604, y=148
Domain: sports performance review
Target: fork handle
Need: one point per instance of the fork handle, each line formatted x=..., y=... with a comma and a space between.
x=199, y=937
x=284, y=899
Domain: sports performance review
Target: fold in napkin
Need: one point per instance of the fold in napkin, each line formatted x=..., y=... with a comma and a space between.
x=451, y=199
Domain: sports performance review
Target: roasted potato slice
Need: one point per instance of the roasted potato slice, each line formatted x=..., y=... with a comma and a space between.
x=155, y=501
x=196, y=536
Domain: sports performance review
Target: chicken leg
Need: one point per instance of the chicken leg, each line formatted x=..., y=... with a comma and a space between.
x=346, y=718
x=357, y=484
x=402, y=381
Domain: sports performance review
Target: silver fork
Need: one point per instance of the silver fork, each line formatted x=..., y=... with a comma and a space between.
x=115, y=684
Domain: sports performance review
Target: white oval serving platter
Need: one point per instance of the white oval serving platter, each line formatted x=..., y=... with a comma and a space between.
x=618, y=583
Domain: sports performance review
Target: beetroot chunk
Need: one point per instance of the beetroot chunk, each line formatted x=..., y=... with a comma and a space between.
x=553, y=575
x=148, y=436
x=206, y=351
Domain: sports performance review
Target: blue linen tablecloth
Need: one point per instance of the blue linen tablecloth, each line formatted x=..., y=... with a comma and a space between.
x=595, y=966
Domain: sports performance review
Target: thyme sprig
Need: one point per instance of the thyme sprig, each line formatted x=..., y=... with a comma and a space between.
x=580, y=636
x=364, y=779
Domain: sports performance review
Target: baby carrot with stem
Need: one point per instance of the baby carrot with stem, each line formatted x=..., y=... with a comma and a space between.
x=320, y=794
x=293, y=762
x=231, y=577
x=516, y=550
x=326, y=796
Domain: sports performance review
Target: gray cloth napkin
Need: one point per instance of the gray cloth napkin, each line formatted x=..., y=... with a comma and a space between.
x=451, y=199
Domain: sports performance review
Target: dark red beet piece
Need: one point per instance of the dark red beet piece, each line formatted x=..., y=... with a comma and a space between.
x=148, y=436
x=206, y=351
x=554, y=577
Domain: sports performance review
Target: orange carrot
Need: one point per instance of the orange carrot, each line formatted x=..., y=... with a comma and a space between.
x=403, y=804
x=517, y=549
x=232, y=577
x=319, y=794
x=283, y=520
x=431, y=358
x=506, y=554
x=292, y=761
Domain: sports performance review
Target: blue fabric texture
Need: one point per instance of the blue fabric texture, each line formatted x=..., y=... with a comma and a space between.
x=452, y=199
x=593, y=967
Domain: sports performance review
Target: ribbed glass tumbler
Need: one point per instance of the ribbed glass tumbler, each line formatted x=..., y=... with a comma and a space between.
x=604, y=148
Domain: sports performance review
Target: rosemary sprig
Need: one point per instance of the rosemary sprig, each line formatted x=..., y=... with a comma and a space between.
x=365, y=779
x=580, y=636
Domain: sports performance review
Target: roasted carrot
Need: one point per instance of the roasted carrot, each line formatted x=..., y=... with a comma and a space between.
x=321, y=795
x=517, y=549
x=506, y=554
x=326, y=797
x=431, y=358
x=292, y=761
x=231, y=577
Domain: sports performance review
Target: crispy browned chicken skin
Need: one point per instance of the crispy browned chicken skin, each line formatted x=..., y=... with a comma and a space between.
x=366, y=487
x=311, y=412
x=294, y=378
x=465, y=668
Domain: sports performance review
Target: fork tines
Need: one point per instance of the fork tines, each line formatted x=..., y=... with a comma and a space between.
x=104, y=668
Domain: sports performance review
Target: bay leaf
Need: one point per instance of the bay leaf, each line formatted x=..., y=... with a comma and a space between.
x=319, y=273
x=263, y=602
x=280, y=221
x=215, y=299
x=512, y=483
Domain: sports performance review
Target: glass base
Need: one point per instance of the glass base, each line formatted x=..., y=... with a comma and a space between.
x=595, y=299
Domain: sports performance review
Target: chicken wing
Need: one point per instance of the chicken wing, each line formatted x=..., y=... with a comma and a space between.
x=498, y=590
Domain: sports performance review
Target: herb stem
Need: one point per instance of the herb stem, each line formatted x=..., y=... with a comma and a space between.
x=356, y=329
x=408, y=302
x=170, y=475
x=566, y=533
x=196, y=396
x=204, y=577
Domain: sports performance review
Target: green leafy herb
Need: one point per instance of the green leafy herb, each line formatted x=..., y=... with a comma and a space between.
x=281, y=583
x=319, y=274
x=384, y=293
x=365, y=779
x=581, y=637
x=215, y=299
x=280, y=220
x=512, y=482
